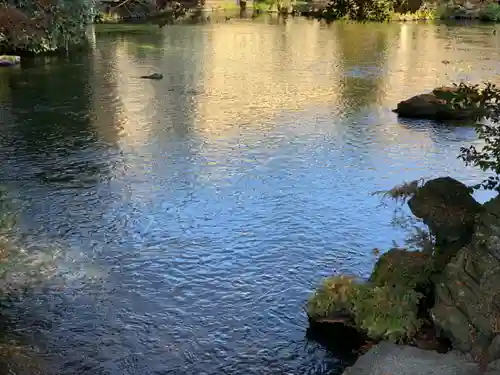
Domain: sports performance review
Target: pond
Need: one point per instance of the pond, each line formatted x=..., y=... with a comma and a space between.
x=195, y=214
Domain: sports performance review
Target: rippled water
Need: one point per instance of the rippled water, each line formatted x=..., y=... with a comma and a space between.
x=196, y=213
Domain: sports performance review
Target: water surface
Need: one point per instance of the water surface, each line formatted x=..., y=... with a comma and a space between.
x=196, y=213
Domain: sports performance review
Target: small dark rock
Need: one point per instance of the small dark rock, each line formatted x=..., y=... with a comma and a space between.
x=156, y=76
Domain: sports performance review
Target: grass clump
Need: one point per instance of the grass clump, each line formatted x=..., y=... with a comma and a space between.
x=382, y=312
x=335, y=295
x=388, y=313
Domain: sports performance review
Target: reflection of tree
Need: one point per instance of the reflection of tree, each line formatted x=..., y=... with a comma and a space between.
x=363, y=51
x=50, y=108
x=51, y=102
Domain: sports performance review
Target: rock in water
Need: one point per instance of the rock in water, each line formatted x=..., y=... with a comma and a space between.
x=391, y=359
x=8, y=60
x=156, y=76
x=436, y=106
x=467, y=308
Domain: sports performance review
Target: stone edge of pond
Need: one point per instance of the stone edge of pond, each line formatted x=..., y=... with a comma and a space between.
x=387, y=358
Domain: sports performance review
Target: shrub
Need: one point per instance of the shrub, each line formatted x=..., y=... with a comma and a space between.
x=359, y=10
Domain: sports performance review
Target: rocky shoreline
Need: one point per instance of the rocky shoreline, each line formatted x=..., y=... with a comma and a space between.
x=391, y=359
x=435, y=299
x=443, y=297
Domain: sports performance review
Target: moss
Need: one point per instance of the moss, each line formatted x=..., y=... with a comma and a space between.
x=408, y=269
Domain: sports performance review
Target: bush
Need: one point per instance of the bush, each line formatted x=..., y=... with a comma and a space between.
x=359, y=10
x=490, y=12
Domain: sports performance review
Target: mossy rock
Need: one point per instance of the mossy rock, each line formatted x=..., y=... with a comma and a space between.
x=334, y=298
x=388, y=313
x=403, y=268
x=380, y=312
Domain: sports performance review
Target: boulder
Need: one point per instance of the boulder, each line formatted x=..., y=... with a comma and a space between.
x=447, y=207
x=390, y=359
x=467, y=305
x=436, y=105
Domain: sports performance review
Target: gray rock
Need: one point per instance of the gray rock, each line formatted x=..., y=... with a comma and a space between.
x=467, y=308
x=391, y=359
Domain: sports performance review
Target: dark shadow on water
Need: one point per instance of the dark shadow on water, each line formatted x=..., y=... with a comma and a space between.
x=341, y=341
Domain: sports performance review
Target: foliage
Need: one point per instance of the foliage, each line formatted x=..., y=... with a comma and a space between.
x=359, y=10
x=490, y=12
x=487, y=158
x=43, y=25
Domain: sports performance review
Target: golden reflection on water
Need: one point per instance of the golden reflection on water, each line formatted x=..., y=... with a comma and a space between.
x=221, y=76
x=253, y=72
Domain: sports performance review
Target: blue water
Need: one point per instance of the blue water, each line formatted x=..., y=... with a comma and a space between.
x=193, y=216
